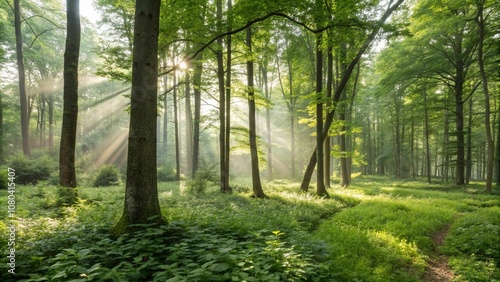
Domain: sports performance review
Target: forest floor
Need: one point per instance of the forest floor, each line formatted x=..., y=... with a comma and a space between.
x=438, y=268
x=378, y=229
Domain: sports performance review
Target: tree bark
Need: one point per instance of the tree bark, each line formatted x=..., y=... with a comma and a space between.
x=490, y=155
x=320, y=136
x=67, y=174
x=198, y=69
x=22, y=80
x=141, y=193
x=344, y=171
x=227, y=154
x=256, y=184
x=329, y=90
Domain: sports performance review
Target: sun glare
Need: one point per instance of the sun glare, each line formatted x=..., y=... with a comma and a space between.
x=183, y=65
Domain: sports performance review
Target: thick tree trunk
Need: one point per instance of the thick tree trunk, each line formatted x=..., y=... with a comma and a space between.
x=22, y=80
x=256, y=184
x=141, y=193
x=320, y=136
x=67, y=174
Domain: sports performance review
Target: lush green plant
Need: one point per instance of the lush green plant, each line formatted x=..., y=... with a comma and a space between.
x=474, y=243
x=165, y=173
x=358, y=254
x=30, y=171
x=202, y=178
x=363, y=233
x=107, y=175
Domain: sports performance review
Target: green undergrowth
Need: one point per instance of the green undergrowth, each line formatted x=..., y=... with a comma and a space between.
x=474, y=246
x=378, y=229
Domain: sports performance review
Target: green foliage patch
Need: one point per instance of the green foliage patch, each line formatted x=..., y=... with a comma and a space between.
x=474, y=244
x=30, y=171
x=107, y=175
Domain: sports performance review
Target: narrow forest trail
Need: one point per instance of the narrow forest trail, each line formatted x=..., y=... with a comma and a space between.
x=438, y=268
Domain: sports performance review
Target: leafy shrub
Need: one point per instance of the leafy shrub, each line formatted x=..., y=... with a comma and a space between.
x=30, y=171
x=202, y=178
x=166, y=174
x=107, y=175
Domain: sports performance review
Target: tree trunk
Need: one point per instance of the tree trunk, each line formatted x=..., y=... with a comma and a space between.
x=22, y=80
x=256, y=184
x=67, y=174
x=189, y=126
x=198, y=69
x=165, y=119
x=427, y=145
x=446, y=166
x=176, y=132
x=51, y=119
x=345, y=78
x=328, y=141
x=468, y=162
x=224, y=187
x=227, y=142
x=344, y=171
x=268, y=124
x=320, y=136
x=490, y=155
x=459, y=122
x=141, y=193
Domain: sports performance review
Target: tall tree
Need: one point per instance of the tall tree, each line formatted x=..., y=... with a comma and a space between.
x=229, y=46
x=141, y=191
x=22, y=79
x=197, y=73
x=320, y=172
x=490, y=156
x=256, y=184
x=223, y=144
x=67, y=174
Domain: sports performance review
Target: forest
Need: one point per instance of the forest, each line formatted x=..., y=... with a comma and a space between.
x=243, y=140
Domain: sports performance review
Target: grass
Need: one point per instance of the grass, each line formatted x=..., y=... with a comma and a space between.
x=379, y=229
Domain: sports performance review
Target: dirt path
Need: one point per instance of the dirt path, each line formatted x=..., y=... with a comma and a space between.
x=438, y=268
